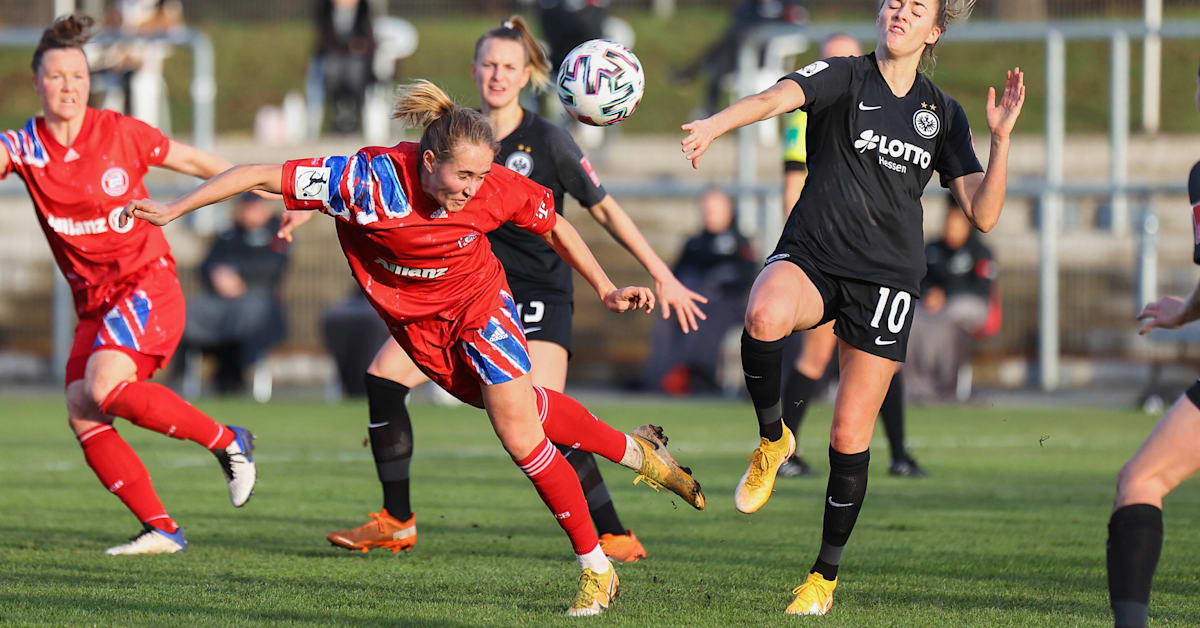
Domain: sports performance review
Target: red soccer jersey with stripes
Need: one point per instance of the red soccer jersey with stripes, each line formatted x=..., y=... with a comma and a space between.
x=78, y=192
x=413, y=259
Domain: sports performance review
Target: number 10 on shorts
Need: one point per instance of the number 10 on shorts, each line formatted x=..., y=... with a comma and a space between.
x=901, y=302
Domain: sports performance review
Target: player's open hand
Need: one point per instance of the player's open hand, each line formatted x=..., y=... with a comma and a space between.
x=1167, y=312
x=673, y=295
x=701, y=133
x=632, y=298
x=290, y=221
x=148, y=210
x=1002, y=117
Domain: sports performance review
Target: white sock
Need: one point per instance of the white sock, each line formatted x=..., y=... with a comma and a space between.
x=594, y=560
x=633, y=454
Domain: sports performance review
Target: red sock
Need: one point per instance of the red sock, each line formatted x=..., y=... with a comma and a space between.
x=157, y=408
x=558, y=486
x=123, y=474
x=568, y=423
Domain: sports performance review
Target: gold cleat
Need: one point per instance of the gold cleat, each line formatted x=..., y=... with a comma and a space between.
x=596, y=592
x=814, y=597
x=659, y=469
x=756, y=485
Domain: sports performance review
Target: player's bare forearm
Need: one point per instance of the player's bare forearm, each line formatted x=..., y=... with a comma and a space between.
x=565, y=241
x=621, y=227
x=192, y=161
x=234, y=181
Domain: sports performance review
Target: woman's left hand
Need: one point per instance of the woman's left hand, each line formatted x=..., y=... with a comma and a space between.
x=674, y=295
x=632, y=298
x=1003, y=117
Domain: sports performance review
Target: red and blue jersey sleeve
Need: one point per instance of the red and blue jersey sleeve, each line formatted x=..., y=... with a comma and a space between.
x=24, y=149
x=362, y=188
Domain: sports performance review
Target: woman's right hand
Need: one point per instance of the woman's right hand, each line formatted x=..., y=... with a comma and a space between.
x=290, y=221
x=701, y=133
x=148, y=210
x=631, y=298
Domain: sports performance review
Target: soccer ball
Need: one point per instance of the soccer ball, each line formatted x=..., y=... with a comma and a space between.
x=601, y=82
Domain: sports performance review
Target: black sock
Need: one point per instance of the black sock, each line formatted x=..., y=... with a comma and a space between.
x=797, y=396
x=761, y=364
x=893, y=417
x=604, y=514
x=843, y=501
x=1135, y=535
x=391, y=435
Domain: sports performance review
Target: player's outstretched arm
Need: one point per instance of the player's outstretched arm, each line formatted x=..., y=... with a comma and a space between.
x=781, y=97
x=671, y=292
x=565, y=241
x=981, y=196
x=238, y=179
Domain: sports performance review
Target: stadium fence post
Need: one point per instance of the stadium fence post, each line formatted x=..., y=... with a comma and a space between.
x=1048, y=340
x=1119, y=132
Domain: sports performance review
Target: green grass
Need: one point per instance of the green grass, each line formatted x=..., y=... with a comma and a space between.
x=259, y=62
x=1004, y=532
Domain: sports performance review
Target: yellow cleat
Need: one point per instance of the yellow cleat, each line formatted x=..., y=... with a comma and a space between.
x=814, y=597
x=659, y=469
x=596, y=592
x=756, y=485
x=383, y=530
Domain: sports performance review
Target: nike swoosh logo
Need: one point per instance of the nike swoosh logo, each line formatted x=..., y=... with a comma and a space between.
x=881, y=342
x=863, y=106
x=753, y=376
x=530, y=330
x=370, y=425
x=837, y=505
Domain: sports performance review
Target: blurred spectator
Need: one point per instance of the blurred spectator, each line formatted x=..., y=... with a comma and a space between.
x=719, y=263
x=131, y=71
x=719, y=60
x=353, y=334
x=345, y=55
x=568, y=23
x=955, y=306
x=240, y=314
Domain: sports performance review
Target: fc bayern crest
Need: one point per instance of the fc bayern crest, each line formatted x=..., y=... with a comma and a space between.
x=115, y=181
x=520, y=162
x=926, y=123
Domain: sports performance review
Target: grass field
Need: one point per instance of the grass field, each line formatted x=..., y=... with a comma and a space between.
x=1008, y=530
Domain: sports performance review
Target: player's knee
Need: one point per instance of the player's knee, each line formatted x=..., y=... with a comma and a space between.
x=82, y=413
x=1135, y=484
x=767, y=323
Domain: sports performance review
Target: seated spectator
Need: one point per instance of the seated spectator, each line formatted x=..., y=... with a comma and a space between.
x=717, y=262
x=346, y=54
x=956, y=294
x=240, y=315
x=353, y=334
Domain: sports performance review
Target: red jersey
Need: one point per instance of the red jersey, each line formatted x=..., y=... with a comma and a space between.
x=79, y=192
x=412, y=258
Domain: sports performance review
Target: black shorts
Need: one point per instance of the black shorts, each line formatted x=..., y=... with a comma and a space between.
x=1193, y=393
x=870, y=317
x=548, y=321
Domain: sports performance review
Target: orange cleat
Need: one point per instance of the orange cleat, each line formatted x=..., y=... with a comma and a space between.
x=383, y=530
x=625, y=548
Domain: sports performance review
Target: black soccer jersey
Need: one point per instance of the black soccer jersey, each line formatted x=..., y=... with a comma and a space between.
x=547, y=154
x=870, y=154
x=1194, y=198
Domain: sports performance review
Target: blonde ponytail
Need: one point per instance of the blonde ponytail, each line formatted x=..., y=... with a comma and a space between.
x=516, y=29
x=446, y=125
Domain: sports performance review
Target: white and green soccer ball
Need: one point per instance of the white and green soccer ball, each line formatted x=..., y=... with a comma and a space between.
x=601, y=82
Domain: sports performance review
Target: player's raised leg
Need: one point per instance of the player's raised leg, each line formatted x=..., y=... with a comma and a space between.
x=783, y=299
x=1135, y=530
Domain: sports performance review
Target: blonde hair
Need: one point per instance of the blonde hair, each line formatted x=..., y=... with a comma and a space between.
x=68, y=31
x=446, y=125
x=515, y=29
x=949, y=11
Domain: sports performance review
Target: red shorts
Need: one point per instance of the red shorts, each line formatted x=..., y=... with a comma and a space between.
x=146, y=324
x=461, y=357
